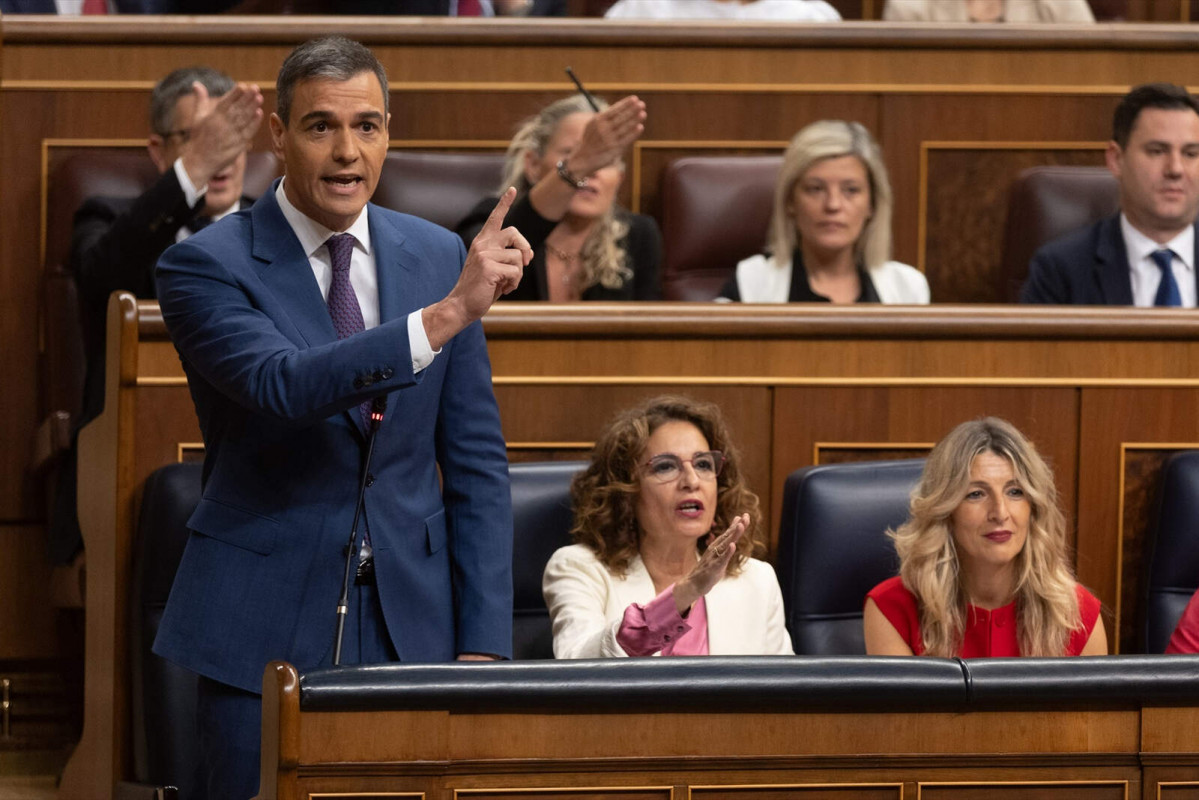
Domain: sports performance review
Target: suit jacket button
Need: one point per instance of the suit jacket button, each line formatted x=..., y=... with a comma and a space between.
x=387, y=373
x=370, y=479
x=367, y=380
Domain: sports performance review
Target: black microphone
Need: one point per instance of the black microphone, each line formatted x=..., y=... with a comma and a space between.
x=378, y=406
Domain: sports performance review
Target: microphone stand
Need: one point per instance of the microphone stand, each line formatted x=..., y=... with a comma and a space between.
x=378, y=406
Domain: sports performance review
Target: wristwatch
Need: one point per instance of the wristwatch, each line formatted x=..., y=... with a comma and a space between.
x=566, y=175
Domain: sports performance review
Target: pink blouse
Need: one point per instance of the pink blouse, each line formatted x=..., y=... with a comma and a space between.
x=659, y=627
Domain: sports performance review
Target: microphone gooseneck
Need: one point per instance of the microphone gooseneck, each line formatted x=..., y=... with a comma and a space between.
x=378, y=407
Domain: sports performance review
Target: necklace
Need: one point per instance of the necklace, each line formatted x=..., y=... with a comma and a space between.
x=569, y=263
x=562, y=255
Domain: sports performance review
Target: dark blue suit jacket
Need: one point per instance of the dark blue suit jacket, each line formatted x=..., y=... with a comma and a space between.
x=277, y=394
x=1086, y=268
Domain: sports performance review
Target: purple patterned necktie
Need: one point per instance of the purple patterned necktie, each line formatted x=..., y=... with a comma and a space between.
x=343, y=303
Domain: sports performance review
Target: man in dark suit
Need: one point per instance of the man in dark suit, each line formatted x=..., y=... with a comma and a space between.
x=288, y=319
x=1146, y=254
x=201, y=127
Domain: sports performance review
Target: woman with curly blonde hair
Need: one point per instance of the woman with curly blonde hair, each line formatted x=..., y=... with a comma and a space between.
x=566, y=164
x=666, y=531
x=984, y=568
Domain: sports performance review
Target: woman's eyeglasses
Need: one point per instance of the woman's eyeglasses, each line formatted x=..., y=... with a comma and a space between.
x=667, y=466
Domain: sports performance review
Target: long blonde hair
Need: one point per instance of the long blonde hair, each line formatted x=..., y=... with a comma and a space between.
x=604, y=261
x=1046, y=602
x=833, y=139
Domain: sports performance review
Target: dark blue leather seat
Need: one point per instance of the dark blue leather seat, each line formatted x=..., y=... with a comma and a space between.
x=541, y=517
x=833, y=548
x=1172, y=551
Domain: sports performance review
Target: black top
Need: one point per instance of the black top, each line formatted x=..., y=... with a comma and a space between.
x=643, y=244
x=801, y=291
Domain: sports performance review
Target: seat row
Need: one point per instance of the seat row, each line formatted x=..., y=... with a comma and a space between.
x=833, y=523
x=715, y=213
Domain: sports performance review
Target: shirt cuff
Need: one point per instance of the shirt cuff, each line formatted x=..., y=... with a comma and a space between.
x=190, y=192
x=647, y=629
x=418, y=343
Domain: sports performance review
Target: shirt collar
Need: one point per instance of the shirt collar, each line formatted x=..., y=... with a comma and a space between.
x=312, y=234
x=1140, y=246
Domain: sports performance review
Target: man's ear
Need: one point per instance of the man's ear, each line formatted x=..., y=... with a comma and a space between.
x=1114, y=157
x=156, y=147
x=278, y=129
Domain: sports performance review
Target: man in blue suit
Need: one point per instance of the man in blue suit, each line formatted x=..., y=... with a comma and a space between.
x=1146, y=254
x=288, y=318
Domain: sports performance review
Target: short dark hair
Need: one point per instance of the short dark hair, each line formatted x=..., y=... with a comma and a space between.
x=331, y=58
x=1148, y=95
x=177, y=84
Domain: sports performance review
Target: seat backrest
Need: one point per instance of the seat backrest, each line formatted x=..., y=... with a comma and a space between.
x=439, y=187
x=98, y=172
x=833, y=547
x=163, y=695
x=1172, y=551
x=715, y=212
x=541, y=520
x=1046, y=203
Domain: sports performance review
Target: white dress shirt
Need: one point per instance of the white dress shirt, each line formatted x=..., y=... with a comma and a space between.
x=1146, y=276
x=364, y=276
x=192, y=195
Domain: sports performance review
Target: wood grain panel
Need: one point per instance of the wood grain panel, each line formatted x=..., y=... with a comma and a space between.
x=1141, y=478
x=856, y=791
x=1108, y=421
x=808, y=415
x=27, y=622
x=966, y=208
x=579, y=413
x=1080, y=790
x=911, y=121
x=568, y=793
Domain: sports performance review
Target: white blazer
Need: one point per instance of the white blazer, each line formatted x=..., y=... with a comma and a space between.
x=587, y=604
x=762, y=279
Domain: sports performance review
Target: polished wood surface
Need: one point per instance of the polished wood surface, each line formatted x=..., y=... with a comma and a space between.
x=1119, y=753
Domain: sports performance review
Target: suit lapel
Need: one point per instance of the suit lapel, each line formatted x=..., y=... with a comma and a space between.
x=1112, y=271
x=284, y=269
x=393, y=267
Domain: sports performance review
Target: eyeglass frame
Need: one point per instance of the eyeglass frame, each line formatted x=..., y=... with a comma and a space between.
x=717, y=455
x=184, y=135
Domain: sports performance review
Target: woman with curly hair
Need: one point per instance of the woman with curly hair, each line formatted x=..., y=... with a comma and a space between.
x=983, y=566
x=566, y=164
x=665, y=529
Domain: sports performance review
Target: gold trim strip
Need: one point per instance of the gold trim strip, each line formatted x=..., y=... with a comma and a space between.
x=982, y=784
x=691, y=790
x=157, y=382
x=550, y=445
x=782, y=382
x=185, y=447
x=568, y=789
x=818, y=446
x=41, y=84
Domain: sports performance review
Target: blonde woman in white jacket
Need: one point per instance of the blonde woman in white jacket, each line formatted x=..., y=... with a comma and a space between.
x=665, y=530
x=830, y=231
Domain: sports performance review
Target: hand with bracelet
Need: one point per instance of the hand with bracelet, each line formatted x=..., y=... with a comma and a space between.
x=570, y=160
